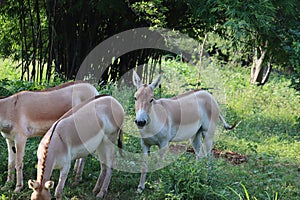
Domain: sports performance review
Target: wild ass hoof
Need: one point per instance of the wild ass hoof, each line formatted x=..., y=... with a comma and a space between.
x=101, y=195
x=18, y=189
x=77, y=180
x=75, y=183
x=58, y=196
x=96, y=190
x=140, y=189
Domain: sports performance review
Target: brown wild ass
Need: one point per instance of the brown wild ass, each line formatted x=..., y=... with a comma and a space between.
x=90, y=127
x=192, y=115
x=31, y=113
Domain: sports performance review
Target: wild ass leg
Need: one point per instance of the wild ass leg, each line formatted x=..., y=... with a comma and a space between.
x=20, y=150
x=100, y=179
x=204, y=148
x=62, y=180
x=208, y=140
x=106, y=182
x=106, y=156
x=103, y=181
x=11, y=163
x=146, y=152
x=197, y=144
x=163, y=148
x=78, y=170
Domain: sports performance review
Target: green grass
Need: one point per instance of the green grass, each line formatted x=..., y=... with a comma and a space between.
x=268, y=133
x=7, y=71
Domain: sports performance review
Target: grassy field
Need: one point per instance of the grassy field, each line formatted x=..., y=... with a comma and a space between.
x=268, y=135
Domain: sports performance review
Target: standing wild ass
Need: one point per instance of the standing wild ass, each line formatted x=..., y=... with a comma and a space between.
x=31, y=113
x=192, y=115
x=90, y=127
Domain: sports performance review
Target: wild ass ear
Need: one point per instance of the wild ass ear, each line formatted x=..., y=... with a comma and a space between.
x=33, y=184
x=49, y=185
x=136, y=80
x=156, y=82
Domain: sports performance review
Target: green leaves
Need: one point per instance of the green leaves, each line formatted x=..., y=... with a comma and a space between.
x=152, y=11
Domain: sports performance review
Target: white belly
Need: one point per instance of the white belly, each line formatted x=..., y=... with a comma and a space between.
x=184, y=132
x=88, y=147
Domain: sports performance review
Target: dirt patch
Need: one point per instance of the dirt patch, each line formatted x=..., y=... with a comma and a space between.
x=230, y=156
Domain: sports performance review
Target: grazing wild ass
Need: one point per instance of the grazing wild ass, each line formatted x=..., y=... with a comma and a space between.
x=31, y=113
x=90, y=127
x=192, y=115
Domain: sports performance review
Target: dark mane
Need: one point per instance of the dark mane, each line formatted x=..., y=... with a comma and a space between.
x=185, y=94
x=67, y=84
x=64, y=85
x=45, y=153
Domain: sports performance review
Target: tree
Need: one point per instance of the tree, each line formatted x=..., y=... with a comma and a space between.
x=59, y=34
x=24, y=36
x=264, y=26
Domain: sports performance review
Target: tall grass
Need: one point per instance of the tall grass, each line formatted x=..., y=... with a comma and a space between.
x=268, y=133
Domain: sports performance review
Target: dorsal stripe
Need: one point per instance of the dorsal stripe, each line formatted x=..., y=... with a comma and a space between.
x=185, y=94
x=64, y=85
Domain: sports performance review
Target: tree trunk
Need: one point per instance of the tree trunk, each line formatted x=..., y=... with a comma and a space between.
x=260, y=73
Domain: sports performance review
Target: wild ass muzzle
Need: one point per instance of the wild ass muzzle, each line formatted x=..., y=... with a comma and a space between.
x=31, y=113
x=192, y=115
x=90, y=127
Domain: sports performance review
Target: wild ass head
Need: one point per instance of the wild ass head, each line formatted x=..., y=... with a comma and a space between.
x=40, y=192
x=144, y=99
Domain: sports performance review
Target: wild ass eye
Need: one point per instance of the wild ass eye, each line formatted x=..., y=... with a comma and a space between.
x=135, y=98
x=151, y=100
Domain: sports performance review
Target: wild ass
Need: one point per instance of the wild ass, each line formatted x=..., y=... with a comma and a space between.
x=89, y=127
x=192, y=115
x=31, y=113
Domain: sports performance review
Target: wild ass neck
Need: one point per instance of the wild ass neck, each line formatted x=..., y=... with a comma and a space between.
x=46, y=163
x=157, y=121
x=7, y=114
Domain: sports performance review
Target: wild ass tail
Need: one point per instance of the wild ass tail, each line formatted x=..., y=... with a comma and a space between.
x=226, y=126
x=120, y=142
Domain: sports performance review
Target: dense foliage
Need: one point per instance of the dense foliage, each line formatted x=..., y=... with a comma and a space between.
x=54, y=37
